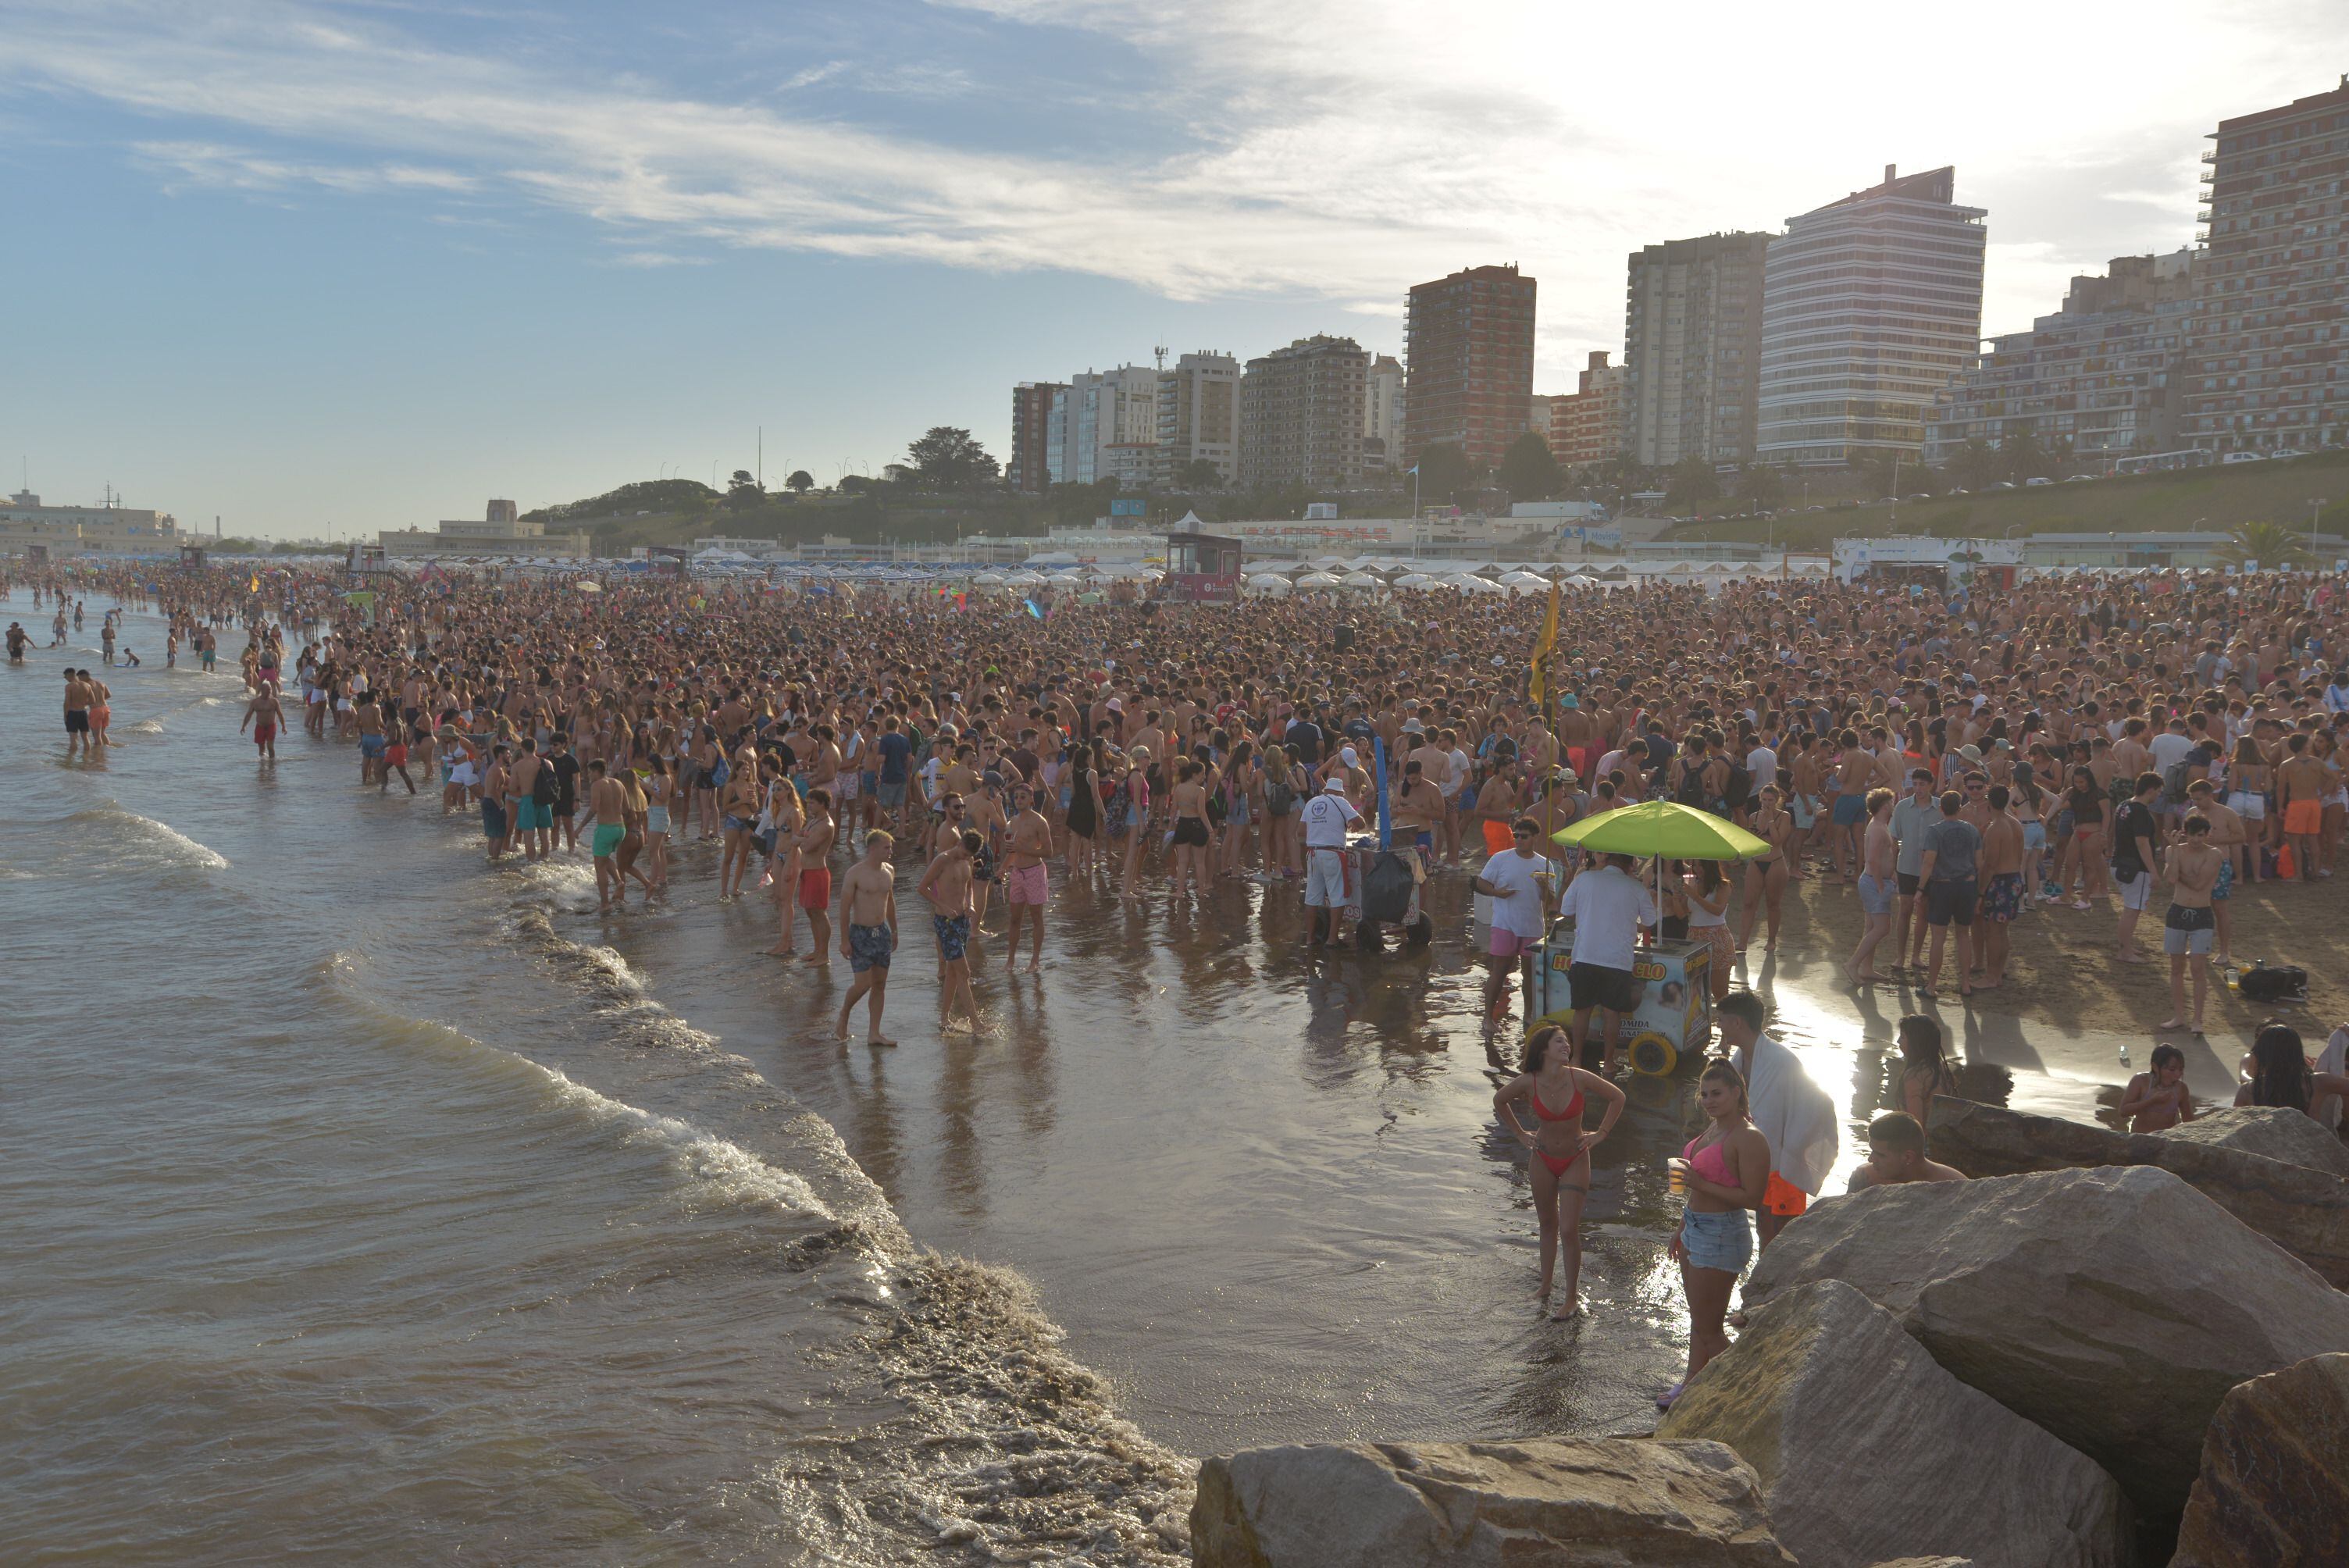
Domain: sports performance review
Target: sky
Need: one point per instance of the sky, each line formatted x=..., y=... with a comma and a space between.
x=311, y=266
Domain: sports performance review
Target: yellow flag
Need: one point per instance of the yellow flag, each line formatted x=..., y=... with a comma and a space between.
x=254, y=587
x=1544, y=646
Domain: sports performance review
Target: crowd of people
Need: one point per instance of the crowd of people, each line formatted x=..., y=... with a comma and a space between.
x=1962, y=757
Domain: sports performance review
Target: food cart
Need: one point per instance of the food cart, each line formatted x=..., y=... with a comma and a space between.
x=1672, y=1024
x=1362, y=852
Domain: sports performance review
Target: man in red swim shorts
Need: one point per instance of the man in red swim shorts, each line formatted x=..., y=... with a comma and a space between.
x=265, y=716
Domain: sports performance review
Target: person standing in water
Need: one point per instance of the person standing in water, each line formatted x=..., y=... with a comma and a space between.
x=1724, y=1171
x=946, y=885
x=266, y=717
x=1025, y=886
x=815, y=874
x=868, y=933
x=1561, y=1148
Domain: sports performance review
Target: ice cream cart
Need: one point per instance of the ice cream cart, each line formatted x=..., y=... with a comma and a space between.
x=1362, y=852
x=1672, y=1024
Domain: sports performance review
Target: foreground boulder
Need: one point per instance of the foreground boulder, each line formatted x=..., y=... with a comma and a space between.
x=1566, y=1502
x=2272, y=1489
x=2302, y=1210
x=2113, y=1307
x=1867, y=1450
x=2277, y=1131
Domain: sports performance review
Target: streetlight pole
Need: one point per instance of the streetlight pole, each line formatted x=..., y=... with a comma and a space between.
x=2316, y=505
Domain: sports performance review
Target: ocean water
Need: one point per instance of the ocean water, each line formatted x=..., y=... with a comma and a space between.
x=358, y=1209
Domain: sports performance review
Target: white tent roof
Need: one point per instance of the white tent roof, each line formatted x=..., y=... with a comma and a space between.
x=1361, y=580
x=988, y=580
x=1270, y=583
x=1474, y=584
x=1420, y=580
x=1316, y=580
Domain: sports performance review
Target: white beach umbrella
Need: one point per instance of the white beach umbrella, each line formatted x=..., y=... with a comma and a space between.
x=1361, y=580
x=1316, y=580
x=1271, y=583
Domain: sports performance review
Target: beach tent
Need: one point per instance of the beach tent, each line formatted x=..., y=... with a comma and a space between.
x=1420, y=582
x=1470, y=583
x=1361, y=580
x=1271, y=583
x=1316, y=580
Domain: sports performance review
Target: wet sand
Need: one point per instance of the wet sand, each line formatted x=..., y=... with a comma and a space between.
x=1265, y=1191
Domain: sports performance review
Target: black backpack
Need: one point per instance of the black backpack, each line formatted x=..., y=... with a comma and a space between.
x=2266, y=982
x=543, y=786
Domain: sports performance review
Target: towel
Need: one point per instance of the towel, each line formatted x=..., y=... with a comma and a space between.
x=1796, y=1116
x=2334, y=1059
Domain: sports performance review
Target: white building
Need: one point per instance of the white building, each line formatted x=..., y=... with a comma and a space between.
x=502, y=530
x=107, y=530
x=1104, y=425
x=1870, y=305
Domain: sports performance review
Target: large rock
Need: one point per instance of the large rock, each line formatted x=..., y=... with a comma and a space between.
x=2272, y=1489
x=1867, y=1450
x=2301, y=1209
x=2277, y=1131
x=2113, y=1307
x=1543, y=1504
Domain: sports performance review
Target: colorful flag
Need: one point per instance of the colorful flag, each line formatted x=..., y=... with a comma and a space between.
x=1544, y=648
x=1032, y=609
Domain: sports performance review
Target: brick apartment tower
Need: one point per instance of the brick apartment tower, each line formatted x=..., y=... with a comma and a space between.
x=1031, y=415
x=1468, y=341
x=2267, y=366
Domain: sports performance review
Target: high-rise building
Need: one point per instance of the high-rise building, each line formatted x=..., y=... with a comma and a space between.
x=1198, y=416
x=2269, y=364
x=1468, y=340
x=1591, y=424
x=1301, y=415
x=2106, y=373
x=1693, y=349
x=1105, y=427
x=1870, y=305
x=1030, y=470
x=1382, y=399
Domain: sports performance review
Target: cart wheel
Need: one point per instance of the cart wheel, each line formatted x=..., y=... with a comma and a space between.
x=1419, y=932
x=1651, y=1054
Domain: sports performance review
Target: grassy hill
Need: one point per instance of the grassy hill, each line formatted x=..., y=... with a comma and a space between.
x=2214, y=498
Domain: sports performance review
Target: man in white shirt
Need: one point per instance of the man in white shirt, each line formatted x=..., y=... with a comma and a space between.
x=1517, y=881
x=1328, y=816
x=1762, y=765
x=1608, y=908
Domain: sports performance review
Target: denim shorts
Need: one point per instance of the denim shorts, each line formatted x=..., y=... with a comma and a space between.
x=1875, y=896
x=1723, y=1242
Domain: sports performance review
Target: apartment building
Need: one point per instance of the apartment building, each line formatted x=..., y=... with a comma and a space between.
x=1591, y=424
x=1301, y=415
x=1030, y=470
x=1468, y=343
x=1198, y=413
x=2105, y=373
x=1870, y=305
x=1693, y=349
x=2268, y=366
x=1104, y=426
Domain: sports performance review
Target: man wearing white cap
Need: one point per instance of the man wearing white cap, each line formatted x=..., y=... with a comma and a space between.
x=1328, y=869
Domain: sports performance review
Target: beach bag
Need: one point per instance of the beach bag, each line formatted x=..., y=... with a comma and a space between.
x=1386, y=891
x=2173, y=784
x=1277, y=795
x=2265, y=981
x=542, y=785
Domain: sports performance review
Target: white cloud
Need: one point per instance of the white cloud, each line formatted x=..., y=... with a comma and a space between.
x=1332, y=149
x=655, y=259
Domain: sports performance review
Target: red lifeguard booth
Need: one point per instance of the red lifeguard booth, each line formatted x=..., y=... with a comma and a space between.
x=1201, y=568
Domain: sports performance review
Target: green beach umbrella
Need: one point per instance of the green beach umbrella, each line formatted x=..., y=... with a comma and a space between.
x=1663, y=827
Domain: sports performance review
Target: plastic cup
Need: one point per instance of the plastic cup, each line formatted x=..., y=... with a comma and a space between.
x=1676, y=1177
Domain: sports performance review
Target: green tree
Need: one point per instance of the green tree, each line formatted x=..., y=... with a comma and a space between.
x=1691, y=484
x=2023, y=457
x=800, y=482
x=1762, y=487
x=2269, y=543
x=1974, y=465
x=742, y=491
x=1444, y=472
x=1528, y=471
x=1198, y=474
x=946, y=458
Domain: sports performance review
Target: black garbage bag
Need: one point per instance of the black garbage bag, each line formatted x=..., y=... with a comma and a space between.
x=1386, y=891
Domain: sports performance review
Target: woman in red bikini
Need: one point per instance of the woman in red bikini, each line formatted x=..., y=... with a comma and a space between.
x=1561, y=1163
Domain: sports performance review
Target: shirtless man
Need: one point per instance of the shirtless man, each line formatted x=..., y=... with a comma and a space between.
x=534, y=823
x=608, y=802
x=986, y=817
x=1419, y=811
x=77, y=702
x=1895, y=1155
x=2192, y=870
x=1855, y=770
x=267, y=716
x=2302, y=784
x=946, y=885
x=868, y=931
x=2002, y=887
x=1024, y=883
x=496, y=826
x=815, y=873
x=2228, y=834
x=2158, y=1099
x=371, y=741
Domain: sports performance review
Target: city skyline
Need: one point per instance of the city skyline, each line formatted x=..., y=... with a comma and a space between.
x=315, y=263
